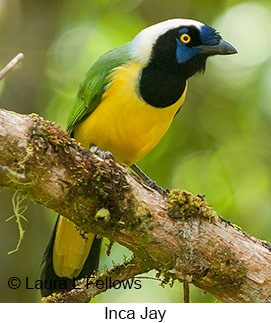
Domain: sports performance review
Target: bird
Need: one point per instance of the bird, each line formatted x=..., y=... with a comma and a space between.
x=124, y=106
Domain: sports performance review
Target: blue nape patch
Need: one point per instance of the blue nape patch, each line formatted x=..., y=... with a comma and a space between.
x=209, y=36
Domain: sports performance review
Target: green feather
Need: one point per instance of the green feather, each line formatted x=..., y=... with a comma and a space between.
x=95, y=83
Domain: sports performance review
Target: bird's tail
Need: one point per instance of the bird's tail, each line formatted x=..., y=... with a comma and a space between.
x=70, y=255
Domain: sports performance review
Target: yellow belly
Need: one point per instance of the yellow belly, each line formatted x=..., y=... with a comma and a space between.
x=123, y=123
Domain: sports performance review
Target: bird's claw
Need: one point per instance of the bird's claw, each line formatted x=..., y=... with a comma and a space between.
x=102, y=154
x=161, y=190
x=149, y=181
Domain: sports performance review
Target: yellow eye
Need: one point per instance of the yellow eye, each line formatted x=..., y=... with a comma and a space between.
x=185, y=38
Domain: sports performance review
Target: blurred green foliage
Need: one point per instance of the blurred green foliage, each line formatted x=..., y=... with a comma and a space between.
x=218, y=145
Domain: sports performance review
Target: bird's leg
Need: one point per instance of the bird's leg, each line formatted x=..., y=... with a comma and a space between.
x=103, y=154
x=148, y=181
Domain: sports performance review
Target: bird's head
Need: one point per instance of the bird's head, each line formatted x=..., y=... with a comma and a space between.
x=183, y=44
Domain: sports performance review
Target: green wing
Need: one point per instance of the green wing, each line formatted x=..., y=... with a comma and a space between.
x=94, y=84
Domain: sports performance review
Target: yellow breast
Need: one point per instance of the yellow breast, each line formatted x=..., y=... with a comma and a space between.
x=123, y=123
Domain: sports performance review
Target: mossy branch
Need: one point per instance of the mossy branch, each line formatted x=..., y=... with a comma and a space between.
x=180, y=235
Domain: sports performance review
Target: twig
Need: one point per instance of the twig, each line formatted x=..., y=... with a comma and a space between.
x=8, y=171
x=89, y=287
x=11, y=65
x=109, y=247
x=18, y=210
x=186, y=292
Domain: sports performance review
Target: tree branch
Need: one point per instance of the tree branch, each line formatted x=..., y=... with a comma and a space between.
x=180, y=235
x=88, y=288
x=11, y=65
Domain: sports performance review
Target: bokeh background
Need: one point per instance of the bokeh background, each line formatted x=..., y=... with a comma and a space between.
x=219, y=144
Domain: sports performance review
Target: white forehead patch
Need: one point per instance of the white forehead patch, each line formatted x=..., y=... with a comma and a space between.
x=142, y=44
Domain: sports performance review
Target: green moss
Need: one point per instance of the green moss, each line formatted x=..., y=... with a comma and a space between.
x=141, y=222
x=237, y=227
x=102, y=214
x=18, y=210
x=133, y=225
x=145, y=261
x=266, y=244
x=168, y=278
x=226, y=271
x=28, y=154
x=183, y=204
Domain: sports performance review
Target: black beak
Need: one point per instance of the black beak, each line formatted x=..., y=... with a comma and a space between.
x=222, y=48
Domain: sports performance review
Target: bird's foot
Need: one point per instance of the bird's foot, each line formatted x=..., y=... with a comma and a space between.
x=103, y=154
x=158, y=188
x=149, y=181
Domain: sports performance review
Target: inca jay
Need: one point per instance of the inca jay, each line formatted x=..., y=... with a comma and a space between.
x=125, y=105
